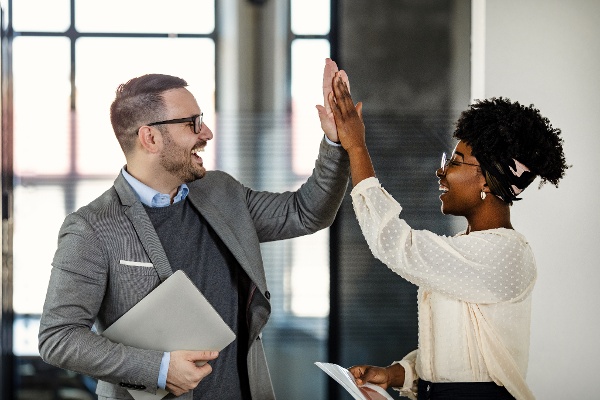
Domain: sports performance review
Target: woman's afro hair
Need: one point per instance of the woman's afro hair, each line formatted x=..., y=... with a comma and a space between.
x=498, y=129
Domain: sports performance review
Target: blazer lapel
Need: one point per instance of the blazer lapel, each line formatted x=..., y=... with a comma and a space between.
x=134, y=210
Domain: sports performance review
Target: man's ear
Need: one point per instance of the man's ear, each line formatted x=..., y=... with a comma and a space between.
x=149, y=138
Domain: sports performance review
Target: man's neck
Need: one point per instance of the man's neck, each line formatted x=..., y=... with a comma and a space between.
x=153, y=181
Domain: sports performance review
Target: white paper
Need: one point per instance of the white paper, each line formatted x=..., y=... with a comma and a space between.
x=342, y=376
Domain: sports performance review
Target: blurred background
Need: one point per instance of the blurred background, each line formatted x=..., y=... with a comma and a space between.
x=255, y=67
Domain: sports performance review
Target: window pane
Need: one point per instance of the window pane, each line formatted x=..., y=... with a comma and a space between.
x=310, y=275
x=98, y=151
x=308, y=60
x=5, y=8
x=310, y=17
x=49, y=15
x=25, y=336
x=32, y=268
x=88, y=190
x=35, y=235
x=173, y=16
x=41, y=105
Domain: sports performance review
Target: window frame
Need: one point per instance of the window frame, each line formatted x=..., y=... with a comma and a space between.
x=68, y=181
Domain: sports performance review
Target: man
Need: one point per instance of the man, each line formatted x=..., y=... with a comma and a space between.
x=166, y=213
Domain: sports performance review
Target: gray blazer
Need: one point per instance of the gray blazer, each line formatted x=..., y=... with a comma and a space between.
x=92, y=284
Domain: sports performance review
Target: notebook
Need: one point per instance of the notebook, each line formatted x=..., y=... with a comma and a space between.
x=174, y=316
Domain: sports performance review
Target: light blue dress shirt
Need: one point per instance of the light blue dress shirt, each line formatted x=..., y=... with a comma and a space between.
x=151, y=197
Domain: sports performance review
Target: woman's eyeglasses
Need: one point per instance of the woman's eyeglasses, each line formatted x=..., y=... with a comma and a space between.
x=447, y=161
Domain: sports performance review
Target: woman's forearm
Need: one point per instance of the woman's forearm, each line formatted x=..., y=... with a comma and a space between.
x=361, y=166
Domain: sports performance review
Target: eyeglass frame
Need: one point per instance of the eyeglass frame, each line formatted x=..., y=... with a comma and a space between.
x=447, y=161
x=182, y=120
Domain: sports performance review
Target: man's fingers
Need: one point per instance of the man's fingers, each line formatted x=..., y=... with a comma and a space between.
x=329, y=72
x=331, y=102
x=187, y=368
x=202, y=355
x=334, y=107
x=333, y=68
x=204, y=370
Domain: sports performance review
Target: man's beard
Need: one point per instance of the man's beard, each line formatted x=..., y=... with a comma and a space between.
x=178, y=161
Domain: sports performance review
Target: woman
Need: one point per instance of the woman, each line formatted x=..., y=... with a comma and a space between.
x=474, y=298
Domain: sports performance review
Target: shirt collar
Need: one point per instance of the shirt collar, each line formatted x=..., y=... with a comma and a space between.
x=151, y=197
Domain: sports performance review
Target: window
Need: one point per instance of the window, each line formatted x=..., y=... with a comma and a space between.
x=310, y=25
x=68, y=57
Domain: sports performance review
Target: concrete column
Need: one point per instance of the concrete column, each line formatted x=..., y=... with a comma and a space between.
x=252, y=90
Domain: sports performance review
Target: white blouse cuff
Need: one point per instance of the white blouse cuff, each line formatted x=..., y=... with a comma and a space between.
x=364, y=185
x=409, y=387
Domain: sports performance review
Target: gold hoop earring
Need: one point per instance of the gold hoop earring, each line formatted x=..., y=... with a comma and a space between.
x=483, y=194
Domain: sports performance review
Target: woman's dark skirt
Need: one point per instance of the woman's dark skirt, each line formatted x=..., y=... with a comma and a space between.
x=462, y=391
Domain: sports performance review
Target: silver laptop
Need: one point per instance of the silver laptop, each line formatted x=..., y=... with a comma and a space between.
x=174, y=316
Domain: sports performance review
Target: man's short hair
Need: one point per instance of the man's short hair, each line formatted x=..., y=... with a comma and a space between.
x=139, y=102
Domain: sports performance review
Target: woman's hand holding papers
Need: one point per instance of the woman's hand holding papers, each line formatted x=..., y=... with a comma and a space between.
x=385, y=377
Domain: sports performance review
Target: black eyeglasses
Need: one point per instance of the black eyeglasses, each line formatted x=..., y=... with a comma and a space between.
x=196, y=119
x=447, y=161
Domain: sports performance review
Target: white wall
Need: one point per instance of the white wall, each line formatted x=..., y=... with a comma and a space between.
x=547, y=52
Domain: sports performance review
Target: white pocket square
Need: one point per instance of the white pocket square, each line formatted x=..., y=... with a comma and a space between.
x=136, y=263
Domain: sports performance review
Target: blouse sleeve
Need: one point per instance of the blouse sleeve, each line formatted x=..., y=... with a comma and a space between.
x=409, y=389
x=482, y=267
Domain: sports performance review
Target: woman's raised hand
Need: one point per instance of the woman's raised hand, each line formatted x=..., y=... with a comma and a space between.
x=348, y=117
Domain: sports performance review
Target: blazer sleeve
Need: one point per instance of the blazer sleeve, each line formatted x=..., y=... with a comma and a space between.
x=76, y=290
x=311, y=208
